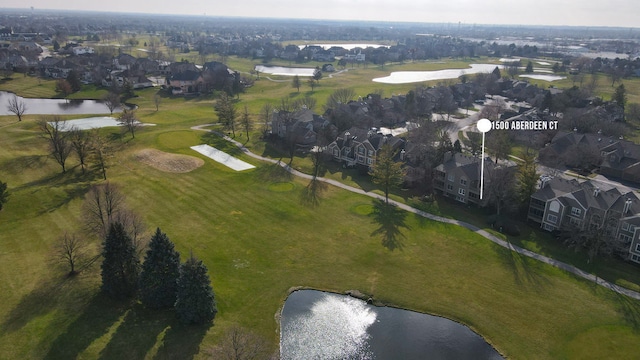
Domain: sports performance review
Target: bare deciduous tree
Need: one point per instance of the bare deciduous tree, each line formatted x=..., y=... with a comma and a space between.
x=100, y=151
x=245, y=121
x=59, y=144
x=17, y=106
x=129, y=122
x=306, y=102
x=81, y=144
x=338, y=97
x=157, y=99
x=265, y=115
x=134, y=227
x=71, y=250
x=104, y=205
x=240, y=344
x=112, y=101
x=100, y=207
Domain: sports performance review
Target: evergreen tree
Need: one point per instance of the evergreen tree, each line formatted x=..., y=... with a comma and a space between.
x=74, y=81
x=620, y=96
x=457, y=147
x=160, y=271
x=195, y=302
x=496, y=73
x=226, y=112
x=527, y=178
x=386, y=171
x=120, y=267
x=529, y=68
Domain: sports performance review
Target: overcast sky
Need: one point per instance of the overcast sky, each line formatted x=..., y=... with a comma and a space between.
x=619, y=13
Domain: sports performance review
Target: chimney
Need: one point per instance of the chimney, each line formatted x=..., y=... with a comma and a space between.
x=544, y=180
x=596, y=191
x=402, y=155
x=447, y=157
x=627, y=206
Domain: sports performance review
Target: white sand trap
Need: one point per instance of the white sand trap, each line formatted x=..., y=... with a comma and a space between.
x=222, y=157
x=90, y=123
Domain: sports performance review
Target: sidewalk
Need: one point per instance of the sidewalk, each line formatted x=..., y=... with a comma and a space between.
x=559, y=264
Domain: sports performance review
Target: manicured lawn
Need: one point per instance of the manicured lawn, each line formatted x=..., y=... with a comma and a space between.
x=258, y=239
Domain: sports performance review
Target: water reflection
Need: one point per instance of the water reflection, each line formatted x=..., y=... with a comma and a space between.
x=318, y=325
x=55, y=106
x=333, y=328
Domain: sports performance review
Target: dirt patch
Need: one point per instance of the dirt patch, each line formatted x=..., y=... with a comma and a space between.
x=167, y=162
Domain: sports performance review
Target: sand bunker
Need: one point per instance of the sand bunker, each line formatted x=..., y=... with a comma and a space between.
x=167, y=162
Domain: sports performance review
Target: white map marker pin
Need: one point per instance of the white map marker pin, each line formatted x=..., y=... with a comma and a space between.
x=484, y=125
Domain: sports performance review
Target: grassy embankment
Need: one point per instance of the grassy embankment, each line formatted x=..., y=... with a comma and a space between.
x=258, y=241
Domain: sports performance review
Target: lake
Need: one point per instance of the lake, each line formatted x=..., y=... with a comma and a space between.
x=405, y=77
x=55, y=106
x=319, y=325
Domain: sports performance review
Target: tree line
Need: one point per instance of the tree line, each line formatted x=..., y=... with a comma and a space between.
x=160, y=281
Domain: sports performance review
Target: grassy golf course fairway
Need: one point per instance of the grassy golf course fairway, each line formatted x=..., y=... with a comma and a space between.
x=258, y=239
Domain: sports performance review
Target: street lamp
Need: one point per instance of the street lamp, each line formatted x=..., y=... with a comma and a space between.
x=484, y=125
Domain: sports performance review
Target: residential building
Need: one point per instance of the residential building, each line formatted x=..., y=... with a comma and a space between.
x=570, y=204
x=300, y=127
x=613, y=156
x=358, y=146
x=458, y=177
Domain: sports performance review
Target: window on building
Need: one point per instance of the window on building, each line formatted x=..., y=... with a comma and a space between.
x=361, y=150
x=449, y=187
x=625, y=226
x=451, y=177
x=635, y=258
x=576, y=211
x=463, y=182
x=461, y=192
x=552, y=219
x=637, y=247
x=625, y=238
x=632, y=228
x=548, y=227
x=574, y=221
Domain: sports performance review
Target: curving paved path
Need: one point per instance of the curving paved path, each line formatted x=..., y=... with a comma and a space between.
x=559, y=264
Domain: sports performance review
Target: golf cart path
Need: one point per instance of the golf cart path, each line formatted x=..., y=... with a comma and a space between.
x=559, y=264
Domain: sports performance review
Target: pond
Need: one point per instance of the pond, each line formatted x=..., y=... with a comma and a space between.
x=54, y=106
x=405, y=77
x=285, y=71
x=346, y=46
x=319, y=325
x=543, y=77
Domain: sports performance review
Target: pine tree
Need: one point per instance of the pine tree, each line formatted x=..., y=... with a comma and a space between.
x=386, y=171
x=195, y=303
x=160, y=271
x=527, y=178
x=120, y=267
